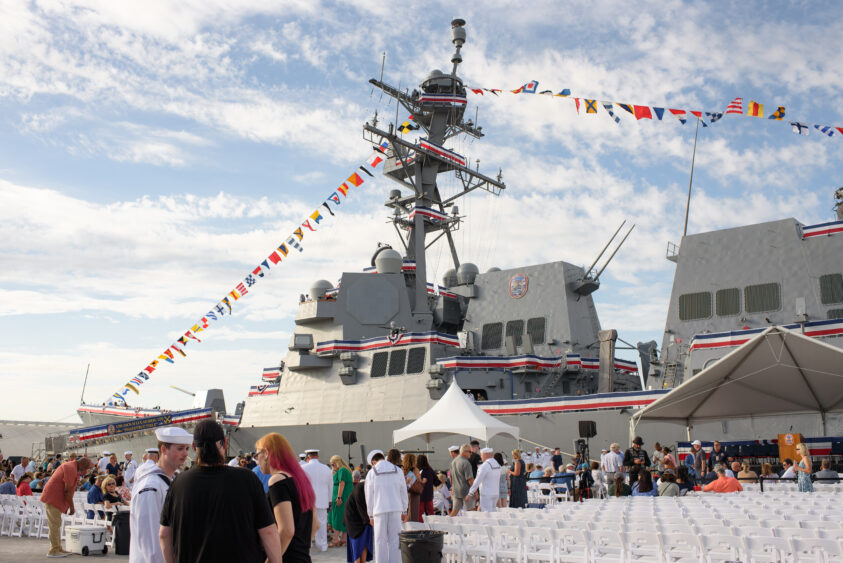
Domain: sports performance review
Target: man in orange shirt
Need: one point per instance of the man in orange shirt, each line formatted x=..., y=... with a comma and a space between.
x=58, y=497
x=723, y=484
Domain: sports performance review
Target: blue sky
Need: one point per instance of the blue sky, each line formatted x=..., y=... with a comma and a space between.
x=152, y=154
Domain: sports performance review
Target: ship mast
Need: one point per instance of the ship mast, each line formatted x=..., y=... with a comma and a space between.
x=438, y=109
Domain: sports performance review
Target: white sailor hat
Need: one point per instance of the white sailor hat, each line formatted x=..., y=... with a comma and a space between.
x=302, y=455
x=151, y=450
x=487, y=451
x=454, y=449
x=106, y=453
x=174, y=435
x=371, y=455
x=127, y=452
x=311, y=451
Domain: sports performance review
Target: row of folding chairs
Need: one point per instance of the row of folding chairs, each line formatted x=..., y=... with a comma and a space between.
x=27, y=516
x=482, y=542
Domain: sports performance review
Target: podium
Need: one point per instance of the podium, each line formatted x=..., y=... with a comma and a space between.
x=787, y=445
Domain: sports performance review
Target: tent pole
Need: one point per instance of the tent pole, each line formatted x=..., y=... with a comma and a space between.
x=688, y=430
x=822, y=419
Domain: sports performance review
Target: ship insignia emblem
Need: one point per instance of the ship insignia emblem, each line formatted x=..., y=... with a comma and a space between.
x=111, y=429
x=518, y=286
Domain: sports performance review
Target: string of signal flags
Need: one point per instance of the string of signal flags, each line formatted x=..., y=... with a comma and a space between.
x=735, y=108
x=290, y=246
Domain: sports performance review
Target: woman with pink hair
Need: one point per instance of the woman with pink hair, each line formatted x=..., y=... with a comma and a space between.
x=290, y=495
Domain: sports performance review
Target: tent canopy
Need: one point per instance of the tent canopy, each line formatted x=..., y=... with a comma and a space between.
x=453, y=414
x=777, y=372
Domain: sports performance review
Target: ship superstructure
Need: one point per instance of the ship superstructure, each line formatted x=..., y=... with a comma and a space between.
x=732, y=284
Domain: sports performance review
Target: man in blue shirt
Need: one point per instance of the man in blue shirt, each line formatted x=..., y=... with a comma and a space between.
x=556, y=461
x=95, y=497
x=8, y=488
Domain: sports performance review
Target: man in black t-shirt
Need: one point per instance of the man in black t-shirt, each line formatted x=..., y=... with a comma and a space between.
x=215, y=512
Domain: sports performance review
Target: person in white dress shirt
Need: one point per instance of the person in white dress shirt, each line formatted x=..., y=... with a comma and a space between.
x=487, y=481
x=322, y=479
x=386, y=503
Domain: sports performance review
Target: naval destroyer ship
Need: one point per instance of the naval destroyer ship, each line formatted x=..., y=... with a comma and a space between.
x=375, y=351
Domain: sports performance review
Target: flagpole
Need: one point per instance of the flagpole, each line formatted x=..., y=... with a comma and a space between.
x=82, y=398
x=691, y=181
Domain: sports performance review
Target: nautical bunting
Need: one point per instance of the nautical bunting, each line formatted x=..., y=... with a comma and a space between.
x=244, y=286
x=735, y=107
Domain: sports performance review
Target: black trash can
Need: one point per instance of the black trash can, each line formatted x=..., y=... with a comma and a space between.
x=421, y=546
x=122, y=534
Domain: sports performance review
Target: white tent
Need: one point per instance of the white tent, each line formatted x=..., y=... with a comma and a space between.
x=777, y=372
x=453, y=414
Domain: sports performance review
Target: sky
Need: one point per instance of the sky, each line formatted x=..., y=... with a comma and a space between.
x=153, y=153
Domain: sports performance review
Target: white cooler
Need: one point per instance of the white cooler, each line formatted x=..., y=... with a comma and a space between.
x=86, y=539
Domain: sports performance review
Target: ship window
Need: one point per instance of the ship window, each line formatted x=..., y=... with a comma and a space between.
x=695, y=306
x=535, y=328
x=379, y=364
x=762, y=297
x=396, y=362
x=491, y=339
x=831, y=289
x=728, y=302
x=415, y=360
x=835, y=313
x=515, y=329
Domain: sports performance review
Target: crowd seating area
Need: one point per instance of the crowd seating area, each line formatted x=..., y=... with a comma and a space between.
x=774, y=526
x=25, y=516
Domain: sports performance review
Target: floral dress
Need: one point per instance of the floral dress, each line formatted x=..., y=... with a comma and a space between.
x=803, y=480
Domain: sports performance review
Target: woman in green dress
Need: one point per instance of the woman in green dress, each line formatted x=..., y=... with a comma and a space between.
x=342, y=490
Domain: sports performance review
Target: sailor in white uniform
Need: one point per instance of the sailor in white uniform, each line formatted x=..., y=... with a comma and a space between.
x=386, y=503
x=152, y=481
x=302, y=461
x=322, y=480
x=129, y=469
x=487, y=481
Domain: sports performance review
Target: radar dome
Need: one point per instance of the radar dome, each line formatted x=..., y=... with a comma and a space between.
x=466, y=273
x=493, y=269
x=449, y=279
x=319, y=288
x=388, y=261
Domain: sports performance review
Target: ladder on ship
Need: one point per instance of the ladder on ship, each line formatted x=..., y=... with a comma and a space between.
x=549, y=386
x=669, y=379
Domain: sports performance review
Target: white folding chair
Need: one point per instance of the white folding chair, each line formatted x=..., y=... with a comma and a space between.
x=836, y=535
x=795, y=533
x=767, y=550
x=821, y=524
x=721, y=548
x=477, y=542
x=607, y=546
x=507, y=543
x=414, y=526
x=755, y=532
x=816, y=549
x=452, y=542
x=572, y=545
x=539, y=544
x=681, y=548
x=643, y=546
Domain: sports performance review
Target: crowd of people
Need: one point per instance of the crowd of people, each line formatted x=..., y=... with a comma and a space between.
x=274, y=505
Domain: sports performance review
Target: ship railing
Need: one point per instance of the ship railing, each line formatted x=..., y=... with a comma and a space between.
x=672, y=252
